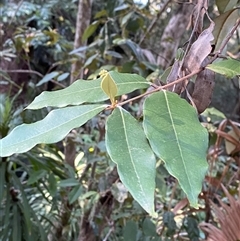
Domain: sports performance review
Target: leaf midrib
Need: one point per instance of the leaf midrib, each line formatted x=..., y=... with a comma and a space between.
x=125, y=133
x=178, y=144
x=82, y=91
x=43, y=133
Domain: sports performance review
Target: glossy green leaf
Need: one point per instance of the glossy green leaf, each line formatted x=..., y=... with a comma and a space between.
x=177, y=137
x=53, y=128
x=230, y=67
x=225, y=5
x=48, y=77
x=223, y=25
x=128, y=148
x=108, y=85
x=83, y=91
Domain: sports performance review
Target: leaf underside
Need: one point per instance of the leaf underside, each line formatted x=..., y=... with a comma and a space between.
x=176, y=136
x=84, y=91
x=127, y=146
x=53, y=128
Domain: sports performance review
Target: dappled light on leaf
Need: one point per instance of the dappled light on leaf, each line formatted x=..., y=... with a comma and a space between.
x=169, y=122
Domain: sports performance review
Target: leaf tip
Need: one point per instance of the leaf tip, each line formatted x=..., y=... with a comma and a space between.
x=194, y=204
x=153, y=214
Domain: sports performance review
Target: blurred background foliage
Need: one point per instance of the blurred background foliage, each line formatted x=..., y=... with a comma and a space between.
x=71, y=190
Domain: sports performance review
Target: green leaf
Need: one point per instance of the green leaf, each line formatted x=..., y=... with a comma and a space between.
x=137, y=51
x=91, y=59
x=169, y=222
x=225, y=5
x=68, y=183
x=191, y=226
x=83, y=91
x=16, y=224
x=48, y=77
x=52, y=184
x=121, y=7
x=108, y=85
x=53, y=128
x=101, y=13
x=149, y=228
x=35, y=176
x=62, y=76
x=113, y=54
x=126, y=18
x=128, y=148
x=90, y=30
x=230, y=67
x=130, y=231
x=75, y=193
x=223, y=25
x=213, y=114
x=2, y=179
x=176, y=136
x=25, y=207
x=88, y=194
x=7, y=211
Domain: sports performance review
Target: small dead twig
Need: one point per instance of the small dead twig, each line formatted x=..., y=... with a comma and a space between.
x=154, y=21
x=33, y=72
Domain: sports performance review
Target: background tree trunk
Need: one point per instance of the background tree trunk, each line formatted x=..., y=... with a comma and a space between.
x=82, y=22
x=173, y=34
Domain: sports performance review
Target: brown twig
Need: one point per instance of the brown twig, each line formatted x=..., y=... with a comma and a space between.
x=172, y=195
x=24, y=71
x=187, y=76
x=33, y=72
x=226, y=40
x=160, y=87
